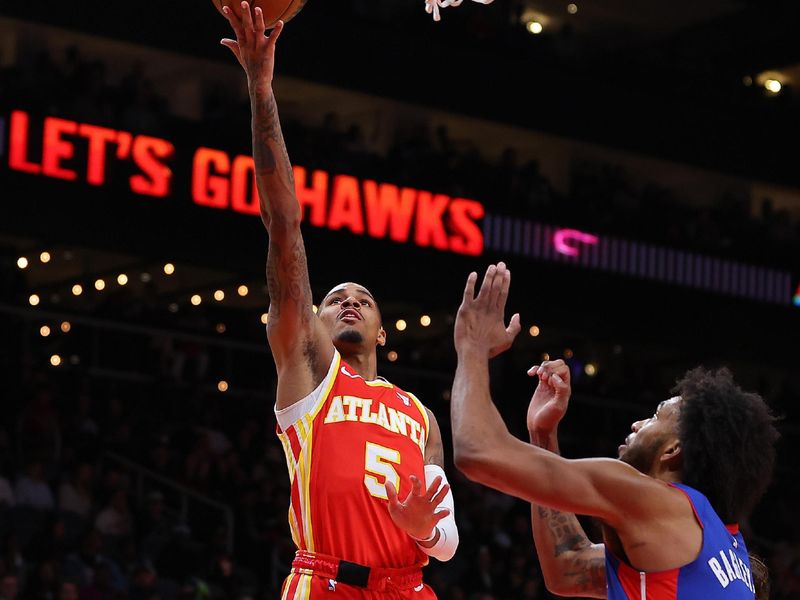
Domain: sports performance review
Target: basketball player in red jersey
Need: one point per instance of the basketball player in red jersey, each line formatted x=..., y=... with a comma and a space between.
x=668, y=507
x=369, y=498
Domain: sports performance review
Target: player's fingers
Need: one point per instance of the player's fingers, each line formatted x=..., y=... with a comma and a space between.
x=496, y=288
x=563, y=372
x=559, y=383
x=431, y=491
x=391, y=493
x=514, y=326
x=276, y=33
x=469, y=288
x=235, y=22
x=416, y=486
x=229, y=43
x=535, y=370
x=233, y=46
x=440, y=514
x=505, y=285
x=486, y=286
x=247, y=20
x=258, y=22
x=440, y=495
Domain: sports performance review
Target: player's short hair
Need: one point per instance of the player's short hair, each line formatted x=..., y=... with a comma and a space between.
x=365, y=288
x=727, y=438
x=760, y=573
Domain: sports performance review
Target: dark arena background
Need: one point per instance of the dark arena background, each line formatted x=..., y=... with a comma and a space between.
x=633, y=162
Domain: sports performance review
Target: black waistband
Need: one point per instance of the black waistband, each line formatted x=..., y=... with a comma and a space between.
x=352, y=574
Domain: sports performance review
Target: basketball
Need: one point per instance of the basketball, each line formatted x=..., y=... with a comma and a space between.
x=274, y=10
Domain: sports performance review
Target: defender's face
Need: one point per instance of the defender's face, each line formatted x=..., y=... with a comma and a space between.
x=643, y=447
x=352, y=316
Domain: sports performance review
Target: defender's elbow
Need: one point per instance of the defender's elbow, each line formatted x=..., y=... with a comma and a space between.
x=557, y=586
x=472, y=462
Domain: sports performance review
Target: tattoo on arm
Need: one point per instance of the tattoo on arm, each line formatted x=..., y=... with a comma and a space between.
x=588, y=573
x=434, y=454
x=268, y=138
x=583, y=568
x=565, y=529
x=434, y=448
x=287, y=278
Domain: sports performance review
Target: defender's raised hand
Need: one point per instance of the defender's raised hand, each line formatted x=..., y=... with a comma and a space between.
x=480, y=321
x=252, y=48
x=549, y=402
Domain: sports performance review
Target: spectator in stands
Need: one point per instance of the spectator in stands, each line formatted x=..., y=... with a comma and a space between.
x=154, y=527
x=143, y=584
x=32, y=490
x=9, y=587
x=75, y=495
x=68, y=590
x=38, y=429
x=6, y=494
x=84, y=565
x=44, y=583
x=115, y=519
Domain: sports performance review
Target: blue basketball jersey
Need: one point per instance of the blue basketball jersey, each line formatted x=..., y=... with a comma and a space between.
x=720, y=571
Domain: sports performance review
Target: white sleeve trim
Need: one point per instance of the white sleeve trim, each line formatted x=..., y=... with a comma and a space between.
x=446, y=547
x=292, y=414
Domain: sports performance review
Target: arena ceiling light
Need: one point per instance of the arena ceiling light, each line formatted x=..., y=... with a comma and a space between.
x=534, y=27
x=535, y=22
x=773, y=82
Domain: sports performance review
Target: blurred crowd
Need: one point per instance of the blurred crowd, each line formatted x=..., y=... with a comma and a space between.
x=604, y=198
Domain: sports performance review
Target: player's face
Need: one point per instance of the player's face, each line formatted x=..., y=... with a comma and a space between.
x=649, y=437
x=352, y=316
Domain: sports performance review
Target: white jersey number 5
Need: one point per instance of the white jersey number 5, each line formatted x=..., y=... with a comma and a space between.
x=378, y=461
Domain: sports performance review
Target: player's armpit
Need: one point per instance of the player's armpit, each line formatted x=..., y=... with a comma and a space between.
x=434, y=449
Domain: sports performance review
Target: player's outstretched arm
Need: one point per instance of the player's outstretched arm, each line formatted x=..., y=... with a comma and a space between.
x=300, y=346
x=486, y=452
x=571, y=564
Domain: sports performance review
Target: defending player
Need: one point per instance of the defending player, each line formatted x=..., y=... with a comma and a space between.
x=353, y=441
x=702, y=460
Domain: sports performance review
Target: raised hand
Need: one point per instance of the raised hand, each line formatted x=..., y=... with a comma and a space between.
x=417, y=514
x=549, y=402
x=252, y=48
x=480, y=321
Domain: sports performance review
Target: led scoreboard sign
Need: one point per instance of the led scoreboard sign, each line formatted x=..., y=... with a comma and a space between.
x=80, y=152
x=364, y=207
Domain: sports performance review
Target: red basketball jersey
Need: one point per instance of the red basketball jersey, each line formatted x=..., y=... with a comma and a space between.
x=342, y=443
